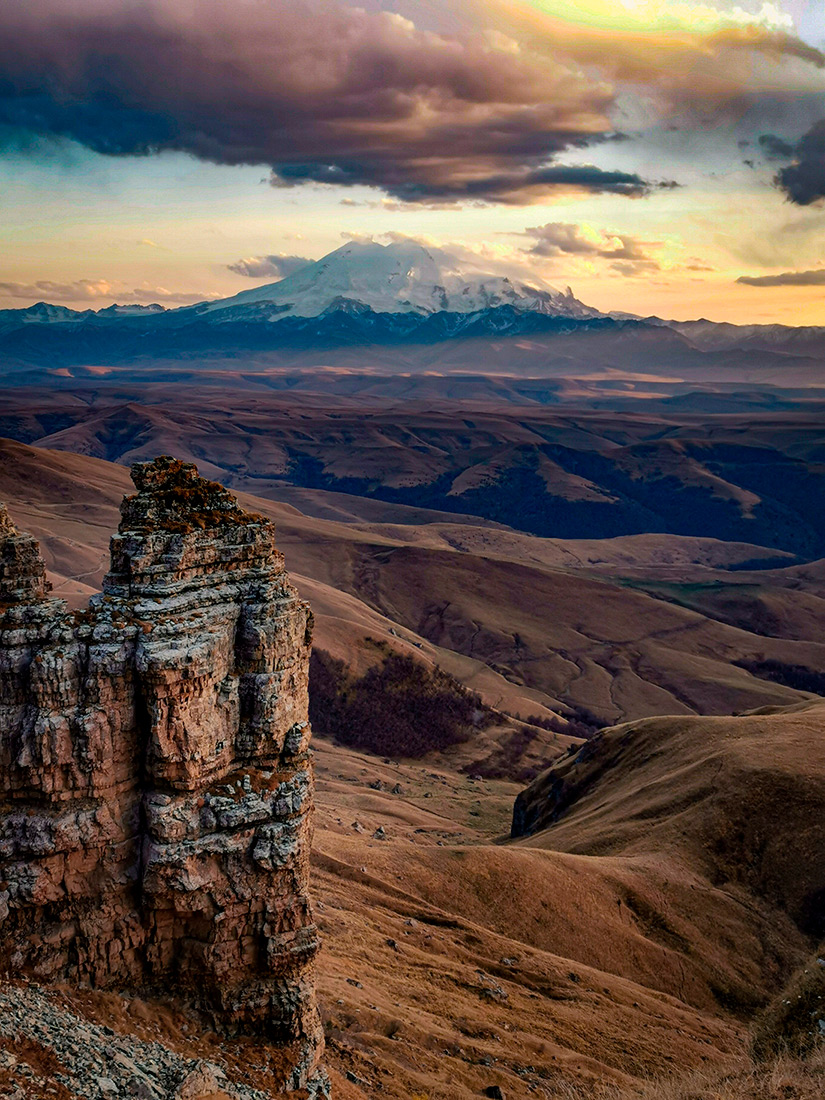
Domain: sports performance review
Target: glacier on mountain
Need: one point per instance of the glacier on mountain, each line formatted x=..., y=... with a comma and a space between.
x=400, y=277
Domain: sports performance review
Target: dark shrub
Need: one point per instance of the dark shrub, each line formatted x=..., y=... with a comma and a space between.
x=399, y=707
x=580, y=722
x=798, y=677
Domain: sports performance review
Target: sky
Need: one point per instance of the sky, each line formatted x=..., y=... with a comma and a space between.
x=658, y=156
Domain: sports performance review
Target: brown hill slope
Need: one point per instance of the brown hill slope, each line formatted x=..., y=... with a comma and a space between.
x=576, y=639
x=638, y=937
x=738, y=800
x=492, y=606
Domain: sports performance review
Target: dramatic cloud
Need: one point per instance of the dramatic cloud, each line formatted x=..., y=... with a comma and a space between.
x=269, y=267
x=803, y=180
x=786, y=278
x=520, y=184
x=92, y=290
x=695, y=58
x=320, y=92
x=627, y=254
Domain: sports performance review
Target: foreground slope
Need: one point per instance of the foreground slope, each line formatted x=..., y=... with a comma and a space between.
x=453, y=963
x=638, y=937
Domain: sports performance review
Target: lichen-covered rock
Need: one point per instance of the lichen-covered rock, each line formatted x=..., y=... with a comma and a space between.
x=156, y=775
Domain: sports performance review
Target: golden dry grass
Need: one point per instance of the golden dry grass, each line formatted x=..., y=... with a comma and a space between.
x=784, y=1078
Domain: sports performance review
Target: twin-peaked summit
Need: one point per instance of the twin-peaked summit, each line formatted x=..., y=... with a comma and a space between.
x=156, y=774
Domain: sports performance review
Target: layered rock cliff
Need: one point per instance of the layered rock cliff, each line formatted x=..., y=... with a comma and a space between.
x=155, y=767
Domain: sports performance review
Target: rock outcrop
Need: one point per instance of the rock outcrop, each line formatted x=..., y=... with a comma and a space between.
x=156, y=775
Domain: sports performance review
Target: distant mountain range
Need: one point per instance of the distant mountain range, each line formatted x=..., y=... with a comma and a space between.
x=370, y=296
x=362, y=277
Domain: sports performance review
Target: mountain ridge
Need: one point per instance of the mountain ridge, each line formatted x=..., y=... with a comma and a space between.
x=365, y=295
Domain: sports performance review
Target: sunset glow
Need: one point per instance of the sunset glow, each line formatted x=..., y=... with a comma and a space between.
x=687, y=131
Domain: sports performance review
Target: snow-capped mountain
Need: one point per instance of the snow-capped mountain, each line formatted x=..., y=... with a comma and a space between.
x=132, y=310
x=385, y=306
x=400, y=277
x=42, y=313
x=362, y=295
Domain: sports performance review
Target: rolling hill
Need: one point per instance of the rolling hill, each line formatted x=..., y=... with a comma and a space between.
x=537, y=626
x=586, y=474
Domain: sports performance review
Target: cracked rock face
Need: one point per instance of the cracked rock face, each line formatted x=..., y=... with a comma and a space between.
x=156, y=775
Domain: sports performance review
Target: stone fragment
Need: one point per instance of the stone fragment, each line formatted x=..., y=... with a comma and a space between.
x=204, y=1082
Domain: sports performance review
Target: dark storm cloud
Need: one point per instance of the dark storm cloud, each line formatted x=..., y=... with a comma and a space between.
x=803, y=180
x=517, y=184
x=786, y=278
x=268, y=267
x=319, y=92
x=774, y=148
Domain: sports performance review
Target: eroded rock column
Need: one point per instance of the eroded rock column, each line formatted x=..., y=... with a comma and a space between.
x=157, y=782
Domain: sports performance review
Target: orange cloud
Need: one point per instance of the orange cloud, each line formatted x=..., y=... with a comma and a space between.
x=627, y=254
x=93, y=290
x=691, y=56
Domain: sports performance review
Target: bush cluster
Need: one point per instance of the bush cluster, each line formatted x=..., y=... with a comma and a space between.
x=399, y=707
x=799, y=677
x=576, y=722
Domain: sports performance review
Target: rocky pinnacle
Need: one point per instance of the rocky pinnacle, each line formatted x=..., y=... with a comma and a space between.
x=157, y=784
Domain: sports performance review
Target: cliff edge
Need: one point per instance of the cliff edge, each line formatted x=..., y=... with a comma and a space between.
x=155, y=775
